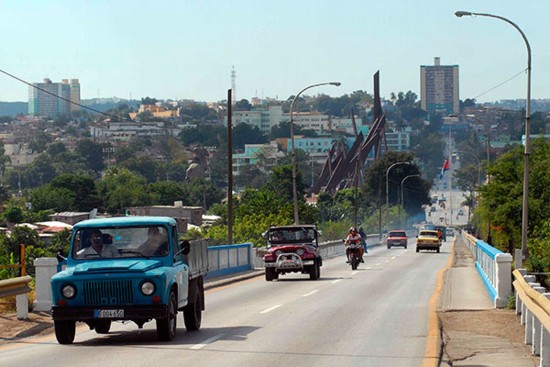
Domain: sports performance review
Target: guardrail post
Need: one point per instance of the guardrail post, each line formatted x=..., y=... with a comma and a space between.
x=45, y=269
x=503, y=280
x=519, y=304
x=535, y=349
x=22, y=305
x=528, y=319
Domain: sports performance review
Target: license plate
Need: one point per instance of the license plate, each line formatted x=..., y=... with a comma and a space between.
x=111, y=314
x=288, y=264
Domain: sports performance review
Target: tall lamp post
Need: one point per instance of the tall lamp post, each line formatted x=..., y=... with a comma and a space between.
x=525, y=204
x=293, y=151
x=402, y=193
x=387, y=191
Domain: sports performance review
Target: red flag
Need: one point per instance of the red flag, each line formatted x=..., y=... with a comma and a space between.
x=446, y=167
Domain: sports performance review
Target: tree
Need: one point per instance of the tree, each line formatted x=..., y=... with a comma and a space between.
x=121, y=189
x=145, y=166
x=501, y=199
x=57, y=199
x=243, y=105
x=149, y=101
x=281, y=183
x=166, y=193
x=247, y=134
x=92, y=153
x=82, y=188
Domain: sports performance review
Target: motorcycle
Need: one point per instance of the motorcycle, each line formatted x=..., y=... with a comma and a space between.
x=354, y=256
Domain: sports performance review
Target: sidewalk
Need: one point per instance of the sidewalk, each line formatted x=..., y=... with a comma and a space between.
x=474, y=333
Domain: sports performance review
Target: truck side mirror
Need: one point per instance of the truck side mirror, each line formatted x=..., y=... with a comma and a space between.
x=185, y=247
x=59, y=256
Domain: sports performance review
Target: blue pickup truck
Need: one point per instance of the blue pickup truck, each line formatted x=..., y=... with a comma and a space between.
x=129, y=268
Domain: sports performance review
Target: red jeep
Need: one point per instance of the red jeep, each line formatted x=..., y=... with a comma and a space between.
x=292, y=249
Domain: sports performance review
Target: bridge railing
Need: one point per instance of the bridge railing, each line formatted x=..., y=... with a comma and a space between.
x=494, y=268
x=533, y=306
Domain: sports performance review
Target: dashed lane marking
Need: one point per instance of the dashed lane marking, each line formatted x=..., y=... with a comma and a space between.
x=271, y=309
x=206, y=342
x=310, y=293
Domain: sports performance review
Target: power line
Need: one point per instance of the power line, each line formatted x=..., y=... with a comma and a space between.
x=498, y=85
x=64, y=99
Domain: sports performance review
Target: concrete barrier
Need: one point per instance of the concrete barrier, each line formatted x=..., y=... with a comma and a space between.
x=494, y=268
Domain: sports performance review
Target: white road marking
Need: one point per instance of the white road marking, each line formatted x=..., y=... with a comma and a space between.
x=336, y=281
x=271, y=309
x=310, y=293
x=206, y=342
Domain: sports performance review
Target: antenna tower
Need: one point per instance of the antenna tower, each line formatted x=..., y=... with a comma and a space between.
x=233, y=85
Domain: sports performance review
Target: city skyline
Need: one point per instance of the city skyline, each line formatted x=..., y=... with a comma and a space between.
x=187, y=49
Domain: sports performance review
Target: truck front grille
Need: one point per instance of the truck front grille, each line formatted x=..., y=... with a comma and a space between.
x=108, y=292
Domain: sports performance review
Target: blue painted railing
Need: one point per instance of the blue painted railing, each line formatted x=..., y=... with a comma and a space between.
x=229, y=259
x=493, y=267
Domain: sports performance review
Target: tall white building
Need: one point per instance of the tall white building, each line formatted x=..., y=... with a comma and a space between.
x=44, y=98
x=439, y=88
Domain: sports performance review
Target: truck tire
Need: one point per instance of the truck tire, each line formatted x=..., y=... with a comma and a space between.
x=64, y=331
x=102, y=326
x=166, y=327
x=192, y=313
x=314, y=271
x=271, y=274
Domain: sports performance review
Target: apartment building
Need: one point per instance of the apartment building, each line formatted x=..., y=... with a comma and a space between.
x=52, y=99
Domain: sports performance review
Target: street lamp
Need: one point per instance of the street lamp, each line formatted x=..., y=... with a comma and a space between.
x=402, y=192
x=525, y=204
x=387, y=195
x=293, y=154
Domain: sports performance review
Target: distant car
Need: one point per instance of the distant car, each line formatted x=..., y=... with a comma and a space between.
x=460, y=211
x=427, y=240
x=433, y=209
x=450, y=232
x=396, y=238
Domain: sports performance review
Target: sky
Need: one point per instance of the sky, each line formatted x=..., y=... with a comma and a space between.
x=186, y=49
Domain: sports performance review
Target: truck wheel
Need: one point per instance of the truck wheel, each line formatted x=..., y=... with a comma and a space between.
x=166, y=328
x=102, y=326
x=314, y=271
x=438, y=250
x=64, y=331
x=417, y=249
x=270, y=274
x=192, y=314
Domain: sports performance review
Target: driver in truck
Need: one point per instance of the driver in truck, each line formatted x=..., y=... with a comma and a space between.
x=354, y=237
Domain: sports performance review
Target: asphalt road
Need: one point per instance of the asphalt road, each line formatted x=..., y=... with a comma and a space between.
x=375, y=316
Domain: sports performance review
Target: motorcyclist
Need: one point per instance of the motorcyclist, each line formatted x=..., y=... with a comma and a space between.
x=354, y=237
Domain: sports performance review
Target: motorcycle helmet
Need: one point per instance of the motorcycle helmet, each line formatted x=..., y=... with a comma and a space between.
x=352, y=229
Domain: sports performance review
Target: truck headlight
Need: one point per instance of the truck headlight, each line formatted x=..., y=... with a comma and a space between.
x=147, y=288
x=300, y=251
x=68, y=291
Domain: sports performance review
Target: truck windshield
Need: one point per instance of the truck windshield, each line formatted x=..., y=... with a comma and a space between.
x=120, y=242
x=291, y=234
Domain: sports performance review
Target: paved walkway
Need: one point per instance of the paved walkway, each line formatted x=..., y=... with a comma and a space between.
x=471, y=337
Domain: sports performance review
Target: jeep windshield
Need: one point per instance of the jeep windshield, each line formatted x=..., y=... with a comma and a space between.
x=120, y=242
x=291, y=235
